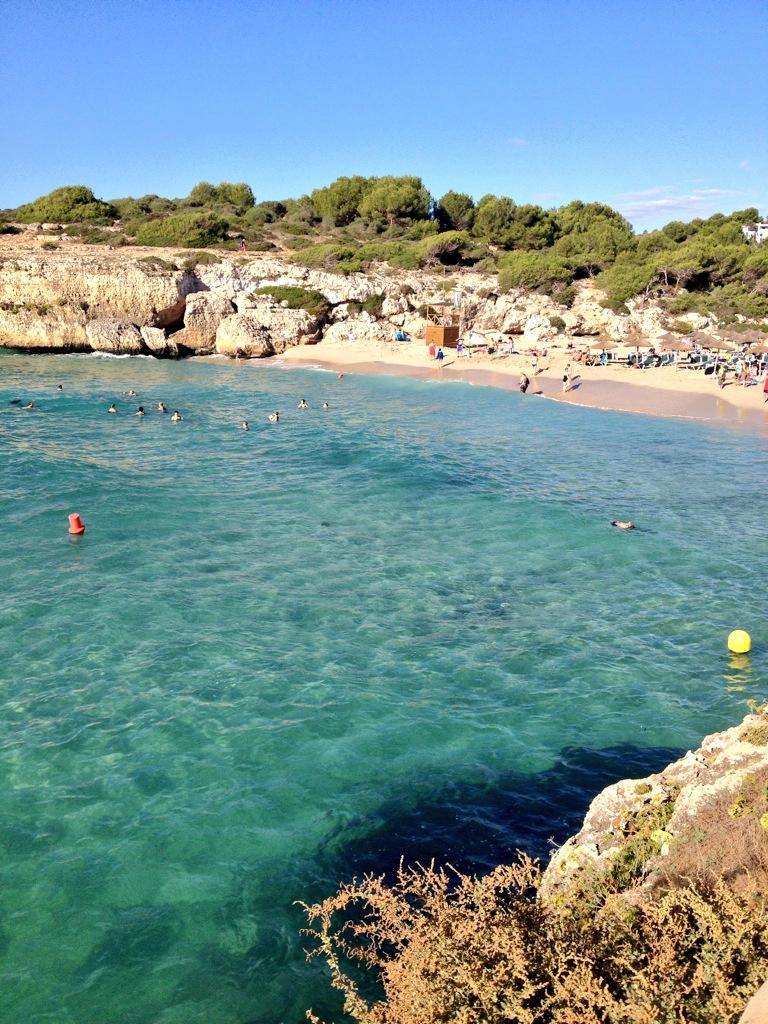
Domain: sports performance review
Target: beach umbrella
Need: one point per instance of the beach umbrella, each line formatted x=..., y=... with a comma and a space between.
x=602, y=343
x=754, y=337
x=675, y=345
x=702, y=338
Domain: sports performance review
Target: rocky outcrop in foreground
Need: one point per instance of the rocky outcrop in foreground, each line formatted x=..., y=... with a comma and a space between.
x=704, y=815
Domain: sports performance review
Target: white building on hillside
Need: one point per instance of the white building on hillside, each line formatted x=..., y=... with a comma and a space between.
x=756, y=232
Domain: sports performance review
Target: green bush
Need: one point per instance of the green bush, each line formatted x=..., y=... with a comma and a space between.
x=190, y=260
x=315, y=303
x=295, y=229
x=191, y=230
x=537, y=270
x=65, y=205
x=9, y=229
x=372, y=305
x=448, y=248
x=226, y=193
x=88, y=234
x=155, y=263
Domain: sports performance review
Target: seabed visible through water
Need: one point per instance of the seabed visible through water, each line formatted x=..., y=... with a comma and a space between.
x=282, y=657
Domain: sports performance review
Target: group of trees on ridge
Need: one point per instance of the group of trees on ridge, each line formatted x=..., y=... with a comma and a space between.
x=703, y=265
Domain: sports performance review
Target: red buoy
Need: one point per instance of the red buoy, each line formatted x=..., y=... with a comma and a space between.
x=76, y=525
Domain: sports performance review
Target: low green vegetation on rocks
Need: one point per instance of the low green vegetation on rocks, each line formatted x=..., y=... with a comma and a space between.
x=704, y=265
x=315, y=303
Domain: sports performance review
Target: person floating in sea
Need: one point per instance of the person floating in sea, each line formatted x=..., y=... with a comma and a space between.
x=140, y=411
x=274, y=417
x=161, y=407
x=326, y=406
x=131, y=393
x=59, y=387
x=303, y=404
x=177, y=417
x=525, y=383
x=623, y=524
x=112, y=408
x=244, y=425
x=341, y=376
x=30, y=405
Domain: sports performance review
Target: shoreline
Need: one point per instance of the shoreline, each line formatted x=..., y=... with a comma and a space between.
x=662, y=392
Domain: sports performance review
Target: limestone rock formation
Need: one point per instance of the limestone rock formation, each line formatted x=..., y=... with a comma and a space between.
x=286, y=326
x=157, y=343
x=245, y=332
x=204, y=312
x=119, y=336
x=655, y=821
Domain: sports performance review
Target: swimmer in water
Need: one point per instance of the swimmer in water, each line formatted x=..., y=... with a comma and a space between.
x=274, y=417
x=341, y=376
x=140, y=411
x=326, y=406
x=112, y=408
x=176, y=418
x=303, y=404
x=622, y=524
x=59, y=387
x=30, y=405
x=244, y=425
x=161, y=407
x=131, y=393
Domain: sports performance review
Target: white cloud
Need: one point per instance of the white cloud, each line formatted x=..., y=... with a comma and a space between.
x=666, y=201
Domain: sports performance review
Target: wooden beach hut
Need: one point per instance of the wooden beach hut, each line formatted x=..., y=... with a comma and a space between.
x=444, y=324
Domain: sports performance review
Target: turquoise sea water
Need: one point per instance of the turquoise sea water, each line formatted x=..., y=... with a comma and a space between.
x=282, y=657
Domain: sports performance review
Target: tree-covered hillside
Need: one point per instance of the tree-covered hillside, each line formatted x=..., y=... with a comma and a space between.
x=704, y=265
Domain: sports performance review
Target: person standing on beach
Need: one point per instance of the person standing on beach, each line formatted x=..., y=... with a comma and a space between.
x=432, y=350
x=524, y=383
x=534, y=364
x=440, y=357
x=765, y=389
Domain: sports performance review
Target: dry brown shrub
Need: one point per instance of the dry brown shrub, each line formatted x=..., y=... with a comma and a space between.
x=447, y=948
x=727, y=841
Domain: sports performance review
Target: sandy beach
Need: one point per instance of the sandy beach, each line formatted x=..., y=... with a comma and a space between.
x=663, y=391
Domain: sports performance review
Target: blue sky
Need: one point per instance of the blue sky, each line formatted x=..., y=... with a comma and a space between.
x=658, y=108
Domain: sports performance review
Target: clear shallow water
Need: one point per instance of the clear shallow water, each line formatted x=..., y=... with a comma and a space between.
x=279, y=658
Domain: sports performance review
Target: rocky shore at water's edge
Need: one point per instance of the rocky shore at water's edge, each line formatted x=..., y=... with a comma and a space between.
x=702, y=817
x=155, y=301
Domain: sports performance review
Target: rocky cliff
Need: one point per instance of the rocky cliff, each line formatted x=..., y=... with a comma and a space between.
x=705, y=815
x=162, y=302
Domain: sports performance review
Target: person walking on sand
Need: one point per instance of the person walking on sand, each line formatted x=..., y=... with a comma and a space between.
x=765, y=389
x=567, y=381
x=534, y=364
x=524, y=383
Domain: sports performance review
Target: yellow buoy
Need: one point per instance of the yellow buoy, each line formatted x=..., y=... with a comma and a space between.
x=739, y=641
